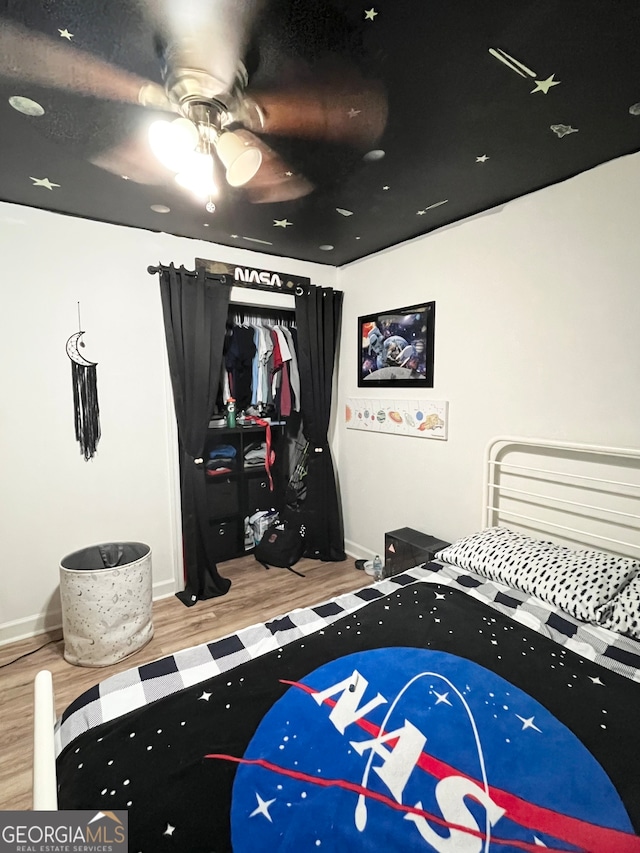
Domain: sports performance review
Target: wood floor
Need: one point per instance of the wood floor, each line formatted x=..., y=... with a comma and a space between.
x=255, y=595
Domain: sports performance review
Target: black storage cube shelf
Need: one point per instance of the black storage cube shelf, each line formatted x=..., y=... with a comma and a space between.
x=232, y=496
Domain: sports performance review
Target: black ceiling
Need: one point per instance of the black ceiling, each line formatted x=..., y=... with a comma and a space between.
x=484, y=103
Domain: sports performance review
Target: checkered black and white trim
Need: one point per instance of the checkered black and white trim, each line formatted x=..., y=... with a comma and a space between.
x=132, y=689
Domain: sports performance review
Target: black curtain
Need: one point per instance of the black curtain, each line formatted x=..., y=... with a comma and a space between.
x=195, y=307
x=318, y=313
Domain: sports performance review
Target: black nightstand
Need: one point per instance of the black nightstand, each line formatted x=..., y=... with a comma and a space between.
x=406, y=547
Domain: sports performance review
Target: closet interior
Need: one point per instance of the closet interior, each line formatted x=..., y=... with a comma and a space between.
x=247, y=464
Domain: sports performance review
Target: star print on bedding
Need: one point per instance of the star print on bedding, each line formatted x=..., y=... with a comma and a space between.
x=581, y=583
x=425, y=720
x=447, y=716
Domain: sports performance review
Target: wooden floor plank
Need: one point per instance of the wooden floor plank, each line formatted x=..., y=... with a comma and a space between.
x=255, y=596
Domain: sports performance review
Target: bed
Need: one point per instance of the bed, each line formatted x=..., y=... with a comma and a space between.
x=485, y=701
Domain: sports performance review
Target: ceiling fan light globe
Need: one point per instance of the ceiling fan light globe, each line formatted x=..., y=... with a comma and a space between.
x=197, y=175
x=173, y=141
x=241, y=161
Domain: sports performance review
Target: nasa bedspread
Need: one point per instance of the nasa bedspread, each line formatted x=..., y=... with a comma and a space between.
x=425, y=720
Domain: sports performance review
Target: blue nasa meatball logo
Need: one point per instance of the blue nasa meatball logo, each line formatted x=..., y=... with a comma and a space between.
x=414, y=750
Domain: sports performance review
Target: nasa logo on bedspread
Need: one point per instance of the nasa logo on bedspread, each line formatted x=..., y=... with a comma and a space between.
x=68, y=831
x=411, y=749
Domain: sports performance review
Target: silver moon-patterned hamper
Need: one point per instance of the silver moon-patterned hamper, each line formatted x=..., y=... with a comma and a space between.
x=106, y=597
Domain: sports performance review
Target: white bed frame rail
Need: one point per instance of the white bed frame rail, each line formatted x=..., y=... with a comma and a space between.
x=580, y=495
x=45, y=788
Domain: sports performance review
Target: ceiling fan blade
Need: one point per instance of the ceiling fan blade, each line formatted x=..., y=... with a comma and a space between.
x=204, y=37
x=274, y=181
x=36, y=58
x=341, y=107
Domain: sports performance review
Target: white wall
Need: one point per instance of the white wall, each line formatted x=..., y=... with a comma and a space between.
x=53, y=502
x=537, y=334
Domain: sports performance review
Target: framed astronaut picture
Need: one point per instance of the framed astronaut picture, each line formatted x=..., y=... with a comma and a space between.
x=396, y=348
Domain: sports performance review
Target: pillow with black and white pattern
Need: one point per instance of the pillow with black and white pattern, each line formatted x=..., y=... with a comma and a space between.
x=623, y=613
x=582, y=583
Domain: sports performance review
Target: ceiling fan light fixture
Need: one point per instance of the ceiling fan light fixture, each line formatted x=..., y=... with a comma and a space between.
x=196, y=175
x=173, y=142
x=241, y=161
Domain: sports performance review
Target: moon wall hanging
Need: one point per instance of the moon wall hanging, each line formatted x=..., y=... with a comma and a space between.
x=85, y=397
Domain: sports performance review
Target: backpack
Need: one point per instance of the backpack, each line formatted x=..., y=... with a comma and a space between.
x=280, y=546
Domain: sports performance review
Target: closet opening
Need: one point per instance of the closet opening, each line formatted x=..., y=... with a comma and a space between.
x=276, y=453
x=249, y=459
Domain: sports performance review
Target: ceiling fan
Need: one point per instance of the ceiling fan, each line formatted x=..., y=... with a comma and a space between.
x=205, y=111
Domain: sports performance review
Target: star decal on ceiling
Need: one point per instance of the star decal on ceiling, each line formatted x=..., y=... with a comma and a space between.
x=521, y=69
x=385, y=187
x=262, y=808
x=289, y=174
x=370, y=14
x=281, y=223
x=169, y=830
x=65, y=34
x=43, y=182
x=482, y=159
x=353, y=113
x=545, y=85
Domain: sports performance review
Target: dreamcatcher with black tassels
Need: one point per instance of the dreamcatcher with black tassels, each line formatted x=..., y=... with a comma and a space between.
x=85, y=395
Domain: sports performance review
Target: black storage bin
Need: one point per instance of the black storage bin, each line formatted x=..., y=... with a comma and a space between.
x=222, y=497
x=259, y=495
x=224, y=537
x=405, y=548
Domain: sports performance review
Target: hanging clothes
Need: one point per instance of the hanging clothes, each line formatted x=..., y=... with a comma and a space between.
x=261, y=366
x=238, y=361
x=294, y=374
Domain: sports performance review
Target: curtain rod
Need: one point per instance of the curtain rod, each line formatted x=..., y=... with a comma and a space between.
x=212, y=276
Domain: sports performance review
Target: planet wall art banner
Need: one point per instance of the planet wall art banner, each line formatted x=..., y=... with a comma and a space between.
x=420, y=418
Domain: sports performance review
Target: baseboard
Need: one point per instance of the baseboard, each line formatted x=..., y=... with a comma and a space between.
x=358, y=552
x=163, y=589
x=42, y=623
x=30, y=626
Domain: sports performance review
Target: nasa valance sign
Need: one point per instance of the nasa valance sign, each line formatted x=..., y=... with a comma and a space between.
x=257, y=278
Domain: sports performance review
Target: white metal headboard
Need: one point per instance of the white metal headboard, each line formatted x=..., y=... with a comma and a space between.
x=579, y=495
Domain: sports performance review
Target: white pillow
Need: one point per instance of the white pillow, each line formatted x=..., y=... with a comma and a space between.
x=582, y=583
x=623, y=613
